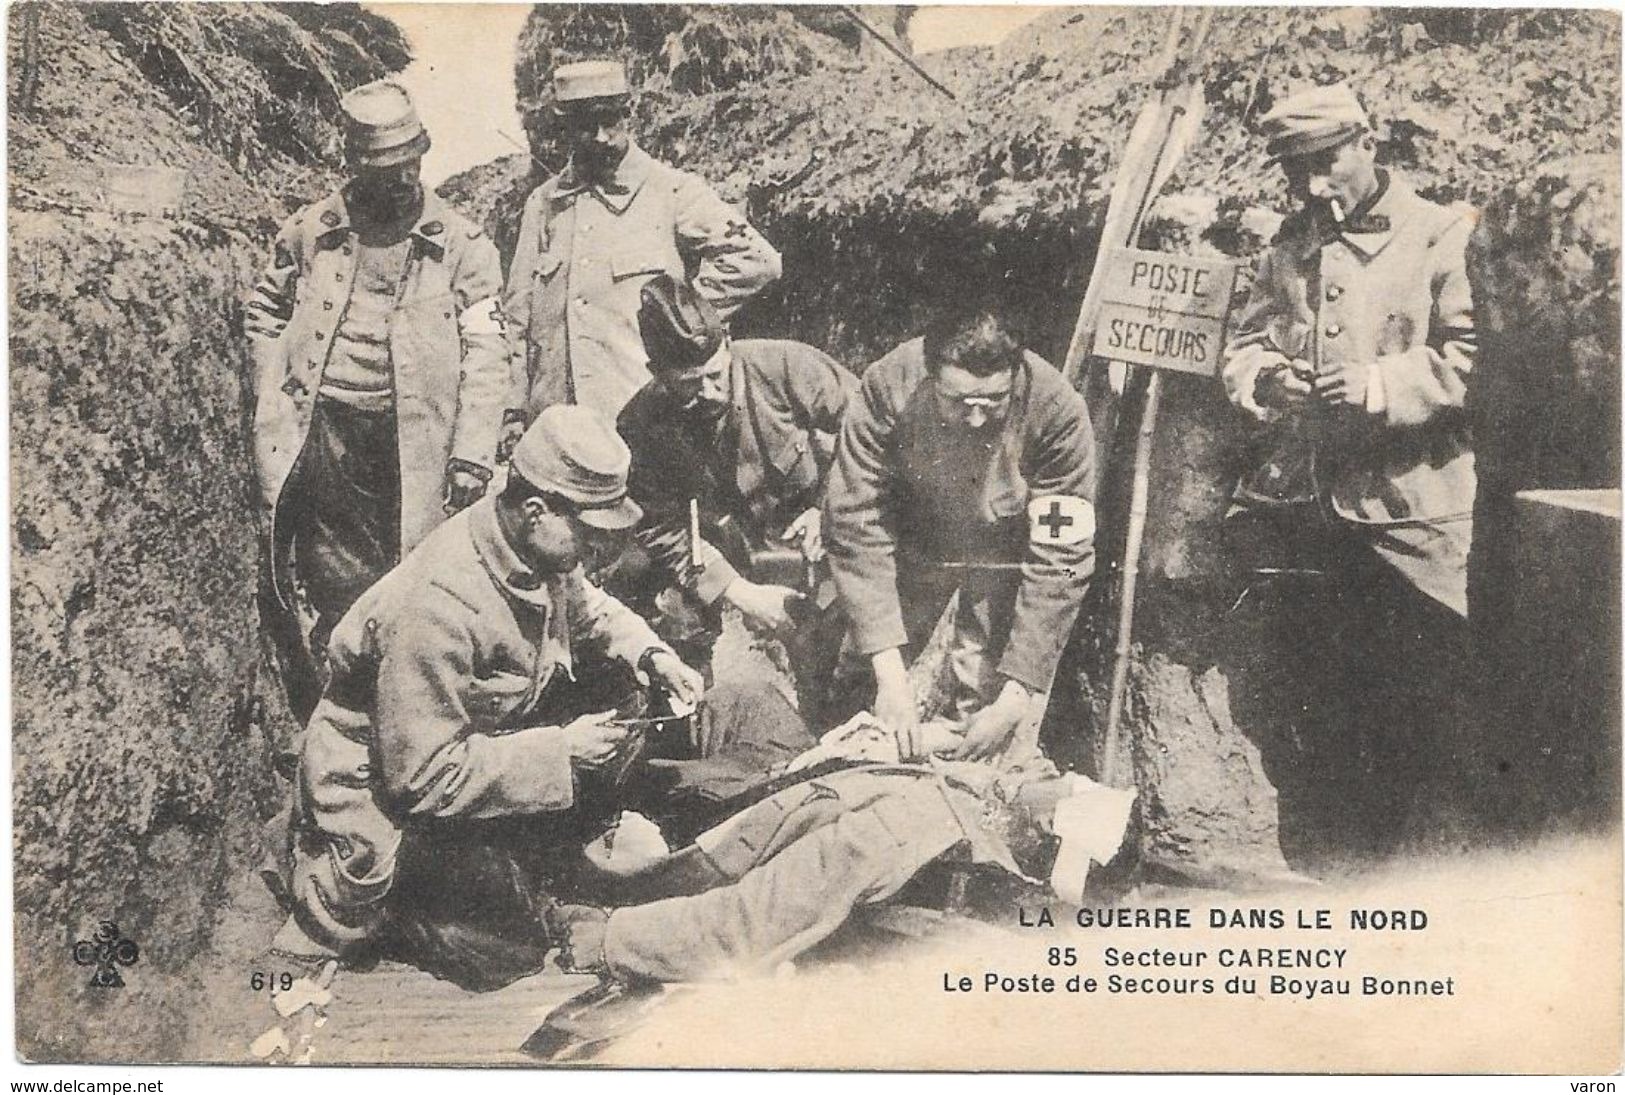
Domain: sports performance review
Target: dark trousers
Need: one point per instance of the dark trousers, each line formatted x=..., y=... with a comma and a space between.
x=339, y=524
x=347, y=530
x=1369, y=683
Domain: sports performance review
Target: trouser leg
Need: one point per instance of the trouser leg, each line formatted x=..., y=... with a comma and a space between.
x=793, y=891
x=350, y=528
x=815, y=657
x=468, y=902
x=747, y=729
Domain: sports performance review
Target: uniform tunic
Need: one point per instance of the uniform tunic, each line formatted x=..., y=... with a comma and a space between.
x=583, y=256
x=1387, y=289
x=763, y=465
x=916, y=506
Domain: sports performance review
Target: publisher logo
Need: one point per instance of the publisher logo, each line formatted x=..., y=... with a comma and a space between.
x=107, y=951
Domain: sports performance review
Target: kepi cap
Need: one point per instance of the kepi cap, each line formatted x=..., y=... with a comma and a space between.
x=571, y=452
x=589, y=80
x=1313, y=120
x=680, y=329
x=381, y=126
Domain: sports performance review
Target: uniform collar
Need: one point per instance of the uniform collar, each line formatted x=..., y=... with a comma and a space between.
x=630, y=175
x=512, y=575
x=333, y=213
x=1369, y=230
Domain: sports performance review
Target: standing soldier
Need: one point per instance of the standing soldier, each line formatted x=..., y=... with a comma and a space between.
x=965, y=463
x=591, y=238
x=744, y=433
x=380, y=376
x=1356, y=346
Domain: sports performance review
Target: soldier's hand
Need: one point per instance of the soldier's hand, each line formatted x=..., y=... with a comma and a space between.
x=1283, y=387
x=990, y=729
x=894, y=704
x=512, y=430
x=463, y=489
x=684, y=684
x=808, y=529
x=1343, y=384
x=594, y=739
x=765, y=607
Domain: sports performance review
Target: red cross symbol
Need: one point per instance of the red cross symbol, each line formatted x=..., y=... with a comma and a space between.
x=1055, y=520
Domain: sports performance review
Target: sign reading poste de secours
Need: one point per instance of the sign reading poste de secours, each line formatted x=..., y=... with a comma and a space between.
x=1164, y=310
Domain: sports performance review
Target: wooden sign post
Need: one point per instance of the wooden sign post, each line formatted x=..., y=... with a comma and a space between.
x=1167, y=312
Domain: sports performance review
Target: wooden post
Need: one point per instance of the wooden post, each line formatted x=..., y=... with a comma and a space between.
x=1157, y=142
x=1111, y=754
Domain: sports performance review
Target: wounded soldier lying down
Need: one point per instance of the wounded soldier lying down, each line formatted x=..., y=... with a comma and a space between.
x=786, y=872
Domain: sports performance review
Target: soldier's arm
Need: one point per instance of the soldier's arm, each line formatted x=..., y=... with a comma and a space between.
x=1054, y=575
x=516, y=298
x=665, y=537
x=1253, y=349
x=269, y=308
x=663, y=532
x=860, y=520
x=431, y=764
x=819, y=388
x=734, y=261
x=1413, y=386
x=602, y=623
x=485, y=387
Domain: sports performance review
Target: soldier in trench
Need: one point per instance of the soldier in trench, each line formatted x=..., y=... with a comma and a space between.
x=744, y=433
x=965, y=466
x=1354, y=353
x=592, y=236
x=380, y=378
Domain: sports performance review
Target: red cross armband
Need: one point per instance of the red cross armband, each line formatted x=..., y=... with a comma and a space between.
x=1059, y=519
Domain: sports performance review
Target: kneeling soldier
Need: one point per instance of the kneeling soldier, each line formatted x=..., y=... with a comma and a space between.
x=462, y=754
x=743, y=434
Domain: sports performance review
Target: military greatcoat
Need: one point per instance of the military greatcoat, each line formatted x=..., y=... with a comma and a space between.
x=584, y=254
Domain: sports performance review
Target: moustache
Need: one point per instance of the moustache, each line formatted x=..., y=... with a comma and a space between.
x=705, y=409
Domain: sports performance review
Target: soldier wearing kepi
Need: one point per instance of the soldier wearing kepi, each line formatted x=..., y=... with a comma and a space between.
x=744, y=433
x=594, y=235
x=1356, y=347
x=965, y=463
x=381, y=372
x=458, y=761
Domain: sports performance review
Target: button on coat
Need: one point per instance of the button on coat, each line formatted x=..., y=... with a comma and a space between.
x=583, y=256
x=451, y=371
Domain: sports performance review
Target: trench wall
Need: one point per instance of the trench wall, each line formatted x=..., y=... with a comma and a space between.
x=141, y=714
x=141, y=710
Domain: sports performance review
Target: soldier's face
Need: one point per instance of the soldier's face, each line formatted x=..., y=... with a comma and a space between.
x=703, y=391
x=597, y=133
x=389, y=189
x=552, y=540
x=972, y=402
x=1346, y=175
